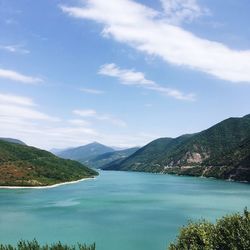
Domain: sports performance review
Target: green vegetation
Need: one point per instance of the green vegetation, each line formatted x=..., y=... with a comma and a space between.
x=229, y=233
x=101, y=161
x=34, y=245
x=222, y=151
x=85, y=153
x=22, y=165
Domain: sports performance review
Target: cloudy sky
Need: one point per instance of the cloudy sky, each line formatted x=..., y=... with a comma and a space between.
x=120, y=72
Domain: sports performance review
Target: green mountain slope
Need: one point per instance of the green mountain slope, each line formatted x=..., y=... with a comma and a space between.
x=221, y=151
x=12, y=140
x=104, y=159
x=85, y=153
x=148, y=157
x=22, y=165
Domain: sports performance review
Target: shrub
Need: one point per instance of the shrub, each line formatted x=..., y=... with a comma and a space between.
x=34, y=245
x=228, y=233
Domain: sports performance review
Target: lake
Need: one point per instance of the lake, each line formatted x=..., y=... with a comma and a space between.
x=117, y=210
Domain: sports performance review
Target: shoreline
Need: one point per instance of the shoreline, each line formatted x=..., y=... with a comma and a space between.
x=47, y=187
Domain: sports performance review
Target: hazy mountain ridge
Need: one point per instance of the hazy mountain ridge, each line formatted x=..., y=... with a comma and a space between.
x=221, y=151
x=12, y=140
x=85, y=153
x=102, y=160
x=21, y=165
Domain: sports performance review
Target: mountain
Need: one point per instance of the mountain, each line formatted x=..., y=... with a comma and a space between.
x=222, y=151
x=85, y=153
x=147, y=158
x=12, y=140
x=102, y=160
x=21, y=165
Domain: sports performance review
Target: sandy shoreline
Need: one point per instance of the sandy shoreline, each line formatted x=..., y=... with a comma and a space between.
x=46, y=187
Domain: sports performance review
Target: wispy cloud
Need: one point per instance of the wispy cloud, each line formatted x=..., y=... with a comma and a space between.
x=15, y=99
x=90, y=113
x=24, y=112
x=125, y=21
x=79, y=122
x=131, y=77
x=85, y=112
x=92, y=91
x=178, y=11
x=16, y=76
x=13, y=106
x=20, y=117
x=15, y=49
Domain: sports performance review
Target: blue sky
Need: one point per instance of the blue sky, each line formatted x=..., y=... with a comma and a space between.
x=120, y=72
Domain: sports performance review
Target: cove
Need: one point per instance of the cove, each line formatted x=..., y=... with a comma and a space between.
x=117, y=210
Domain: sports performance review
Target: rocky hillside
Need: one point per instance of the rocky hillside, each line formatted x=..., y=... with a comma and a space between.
x=221, y=151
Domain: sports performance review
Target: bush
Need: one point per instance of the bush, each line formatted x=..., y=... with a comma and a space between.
x=228, y=233
x=34, y=245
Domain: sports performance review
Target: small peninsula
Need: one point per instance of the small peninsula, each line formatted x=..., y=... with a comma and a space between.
x=25, y=166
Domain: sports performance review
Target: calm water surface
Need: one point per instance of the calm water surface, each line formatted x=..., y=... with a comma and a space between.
x=117, y=210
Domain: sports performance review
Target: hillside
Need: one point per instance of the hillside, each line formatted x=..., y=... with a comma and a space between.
x=12, y=140
x=147, y=158
x=102, y=160
x=222, y=151
x=85, y=153
x=22, y=165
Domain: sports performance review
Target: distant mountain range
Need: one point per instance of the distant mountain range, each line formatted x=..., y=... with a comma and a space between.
x=103, y=160
x=85, y=153
x=222, y=151
x=95, y=155
x=21, y=165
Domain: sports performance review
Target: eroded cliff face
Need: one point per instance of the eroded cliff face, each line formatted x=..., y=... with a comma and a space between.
x=197, y=155
x=193, y=157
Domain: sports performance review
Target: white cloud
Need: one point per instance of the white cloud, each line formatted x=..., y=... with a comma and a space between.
x=177, y=11
x=20, y=118
x=14, y=49
x=13, y=106
x=148, y=31
x=79, y=122
x=92, y=91
x=127, y=140
x=102, y=117
x=131, y=77
x=23, y=112
x=14, y=99
x=15, y=76
x=85, y=112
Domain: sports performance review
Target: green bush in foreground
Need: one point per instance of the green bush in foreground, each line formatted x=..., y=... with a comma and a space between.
x=34, y=245
x=228, y=233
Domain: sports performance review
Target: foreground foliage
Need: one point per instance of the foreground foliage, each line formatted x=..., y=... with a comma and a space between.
x=34, y=245
x=229, y=233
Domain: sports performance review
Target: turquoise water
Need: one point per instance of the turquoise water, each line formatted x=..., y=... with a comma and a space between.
x=117, y=210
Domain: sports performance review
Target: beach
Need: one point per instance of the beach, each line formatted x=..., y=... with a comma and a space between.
x=46, y=187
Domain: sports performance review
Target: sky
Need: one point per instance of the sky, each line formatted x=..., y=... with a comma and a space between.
x=121, y=72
